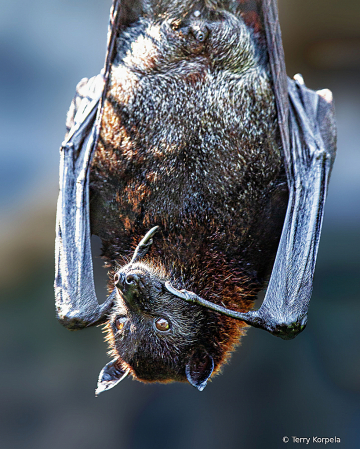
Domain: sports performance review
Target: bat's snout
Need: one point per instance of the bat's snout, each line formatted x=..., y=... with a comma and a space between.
x=132, y=286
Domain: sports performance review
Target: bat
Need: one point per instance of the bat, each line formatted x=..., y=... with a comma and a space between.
x=204, y=171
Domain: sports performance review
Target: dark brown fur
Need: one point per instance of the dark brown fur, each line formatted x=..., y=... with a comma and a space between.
x=189, y=142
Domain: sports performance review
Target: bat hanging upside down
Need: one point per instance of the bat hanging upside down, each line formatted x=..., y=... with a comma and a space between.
x=196, y=161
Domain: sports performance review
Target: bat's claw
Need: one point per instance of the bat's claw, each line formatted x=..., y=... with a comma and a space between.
x=289, y=331
x=144, y=245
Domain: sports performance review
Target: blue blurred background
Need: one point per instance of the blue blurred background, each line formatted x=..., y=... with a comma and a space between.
x=271, y=388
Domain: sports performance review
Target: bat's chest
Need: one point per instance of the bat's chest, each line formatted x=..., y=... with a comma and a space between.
x=180, y=148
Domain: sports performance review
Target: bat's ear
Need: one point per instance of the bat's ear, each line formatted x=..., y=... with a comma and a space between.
x=199, y=368
x=110, y=375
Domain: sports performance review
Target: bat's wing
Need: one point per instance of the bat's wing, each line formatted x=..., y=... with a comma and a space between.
x=308, y=160
x=76, y=302
x=307, y=125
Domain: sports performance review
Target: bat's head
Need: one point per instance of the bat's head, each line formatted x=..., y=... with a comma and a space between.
x=155, y=335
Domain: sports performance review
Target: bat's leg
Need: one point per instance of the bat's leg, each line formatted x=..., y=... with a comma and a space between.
x=75, y=297
x=309, y=161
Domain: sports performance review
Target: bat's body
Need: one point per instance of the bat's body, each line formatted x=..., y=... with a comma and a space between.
x=191, y=145
x=189, y=142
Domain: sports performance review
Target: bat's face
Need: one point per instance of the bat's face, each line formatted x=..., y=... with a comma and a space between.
x=155, y=335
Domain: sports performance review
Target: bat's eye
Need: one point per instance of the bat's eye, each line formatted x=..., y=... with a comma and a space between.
x=131, y=279
x=162, y=325
x=119, y=323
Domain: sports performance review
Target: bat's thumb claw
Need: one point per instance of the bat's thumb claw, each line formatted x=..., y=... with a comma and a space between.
x=299, y=78
x=326, y=94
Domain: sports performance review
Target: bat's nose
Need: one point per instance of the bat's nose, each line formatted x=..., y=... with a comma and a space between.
x=122, y=280
x=131, y=279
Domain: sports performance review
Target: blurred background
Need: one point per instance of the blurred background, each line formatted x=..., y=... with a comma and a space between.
x=271, y=388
